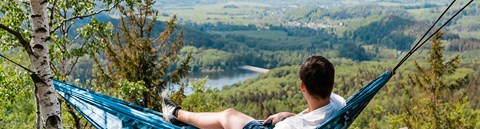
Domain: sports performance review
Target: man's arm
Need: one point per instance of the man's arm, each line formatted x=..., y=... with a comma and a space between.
x=274, y=119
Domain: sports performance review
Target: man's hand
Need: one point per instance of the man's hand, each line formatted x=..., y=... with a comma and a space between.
x=274, y=119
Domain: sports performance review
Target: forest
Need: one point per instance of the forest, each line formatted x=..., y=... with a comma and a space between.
x=134, y=50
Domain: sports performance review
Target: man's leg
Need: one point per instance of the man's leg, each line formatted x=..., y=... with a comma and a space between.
x=227, y=119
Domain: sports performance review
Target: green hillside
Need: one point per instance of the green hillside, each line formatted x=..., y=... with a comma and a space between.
x=278, y=90
x=126, y=54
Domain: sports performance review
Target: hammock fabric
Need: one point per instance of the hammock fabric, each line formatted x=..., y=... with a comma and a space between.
x=356, y=103
x=104, y=112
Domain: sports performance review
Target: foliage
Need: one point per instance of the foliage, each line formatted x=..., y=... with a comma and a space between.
x=64, y=50
x=137, y=63
x=211, y=59
x=17, y=108
x=203, y=98
x=245, y=48
x=388, y=31
x=131, y=90
x=352, y=51
x=433, y=102
x=14, y=18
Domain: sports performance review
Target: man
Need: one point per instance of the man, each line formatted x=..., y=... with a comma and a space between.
x=317, y=80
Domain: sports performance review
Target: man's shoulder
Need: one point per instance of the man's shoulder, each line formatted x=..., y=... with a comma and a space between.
x=337, y=100
x=315, y=118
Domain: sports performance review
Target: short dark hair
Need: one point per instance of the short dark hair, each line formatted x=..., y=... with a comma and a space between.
x=318, y=74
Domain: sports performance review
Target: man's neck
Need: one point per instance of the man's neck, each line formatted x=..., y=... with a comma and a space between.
x=314, y=104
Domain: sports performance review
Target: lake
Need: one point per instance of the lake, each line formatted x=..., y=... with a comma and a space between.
x=223, y=78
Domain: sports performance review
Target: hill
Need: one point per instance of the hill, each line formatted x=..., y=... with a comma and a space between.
x=278, y=90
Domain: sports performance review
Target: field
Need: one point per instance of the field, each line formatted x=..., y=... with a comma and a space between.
x=465, y=26
x=424, y=13
x=230, y=12
x=265, y=34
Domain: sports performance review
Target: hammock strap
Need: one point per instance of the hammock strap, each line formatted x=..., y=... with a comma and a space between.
x=32, y=74
x=418, y=45
x=25, y=68
x=424, y=35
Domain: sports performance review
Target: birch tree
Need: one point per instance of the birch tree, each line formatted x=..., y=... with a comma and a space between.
x=24, y=21
x=48, y=106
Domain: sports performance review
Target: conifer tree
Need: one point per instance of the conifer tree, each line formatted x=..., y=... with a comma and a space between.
x=433, y=101
x=138, y=64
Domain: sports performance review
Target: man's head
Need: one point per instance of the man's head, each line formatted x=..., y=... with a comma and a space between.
x=317, y=74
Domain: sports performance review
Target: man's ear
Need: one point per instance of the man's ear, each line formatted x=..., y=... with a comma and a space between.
x=303, y=87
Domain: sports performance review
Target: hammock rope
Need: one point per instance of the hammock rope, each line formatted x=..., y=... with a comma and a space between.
x=418, y=45
x=19, y=65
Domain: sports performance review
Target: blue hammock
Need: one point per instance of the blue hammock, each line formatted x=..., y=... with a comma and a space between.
x=103, y=111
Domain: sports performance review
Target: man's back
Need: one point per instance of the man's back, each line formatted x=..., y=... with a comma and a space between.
x=315, y=118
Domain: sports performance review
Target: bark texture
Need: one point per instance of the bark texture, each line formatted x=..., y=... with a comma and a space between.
x=48, y=104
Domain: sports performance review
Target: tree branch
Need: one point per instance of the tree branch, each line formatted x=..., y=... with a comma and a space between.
x=52, y=12
x=84, y=16
x=20, y=38
x=76, y=60
x=76, y=118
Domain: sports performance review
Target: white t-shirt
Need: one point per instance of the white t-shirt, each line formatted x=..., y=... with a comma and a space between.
x=314, y=118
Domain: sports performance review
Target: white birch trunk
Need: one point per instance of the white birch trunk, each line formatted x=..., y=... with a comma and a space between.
x=48, y=104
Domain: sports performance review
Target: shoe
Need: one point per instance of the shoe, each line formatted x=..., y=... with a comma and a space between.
x=169, y=110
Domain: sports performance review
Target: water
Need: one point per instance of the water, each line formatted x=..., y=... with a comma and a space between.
x=223, y=78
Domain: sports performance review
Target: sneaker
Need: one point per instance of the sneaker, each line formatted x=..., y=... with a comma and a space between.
x=169, y=109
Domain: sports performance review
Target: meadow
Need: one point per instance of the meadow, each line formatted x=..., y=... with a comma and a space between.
x=265, y=34
x=230, y=12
